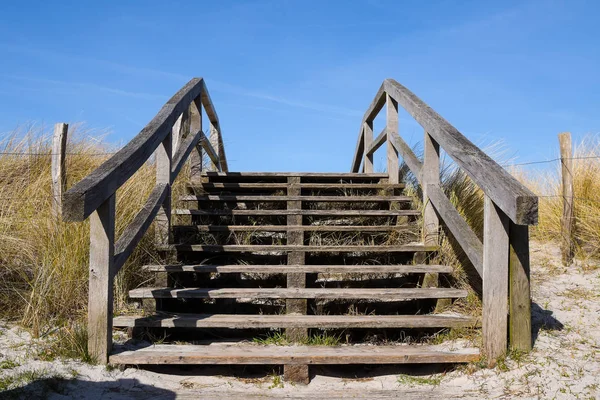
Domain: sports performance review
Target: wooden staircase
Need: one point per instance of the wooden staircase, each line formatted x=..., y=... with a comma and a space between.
x=310, y=254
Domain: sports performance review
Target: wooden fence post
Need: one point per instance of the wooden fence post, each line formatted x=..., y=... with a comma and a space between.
x=392, y=128
x=430, y=175
x=215, y=143
x=520, y=292
x=195, y=118
x=59, y=171
x=100, y=296
x=163, y=175
x=495, y=281
x=368, y=138
x=568, y=217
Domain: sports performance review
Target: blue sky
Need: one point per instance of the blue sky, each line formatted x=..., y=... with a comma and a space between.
x=292, y=79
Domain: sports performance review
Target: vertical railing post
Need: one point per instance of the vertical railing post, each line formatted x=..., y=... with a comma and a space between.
x=391, y=128
x=195, y=118
x=163, y=175
x=430, y=175
x=100, y=296
x=59, y=172
x=520, y=292
x=216, y=144
x=368, y=141
x=495, y=281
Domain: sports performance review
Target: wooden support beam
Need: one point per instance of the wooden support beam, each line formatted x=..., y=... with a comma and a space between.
x=59, y=167
x=391, y=129
x=408, y=156
x=368, y=134
x=195, y=115
x=520, y=292
x=568, y=216
x=163, y=176
x=100, y=301
x=495, y=281
x=430, y=175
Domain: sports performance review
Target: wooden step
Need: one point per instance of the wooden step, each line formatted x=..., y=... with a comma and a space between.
x=285, y=228
x=340, y=213
x=328, y=175
x=232, y=321
x=408, y=248
x=289, y=355
x=367, y=199
x=297, y=293
x=308, y=269
x=283, y=185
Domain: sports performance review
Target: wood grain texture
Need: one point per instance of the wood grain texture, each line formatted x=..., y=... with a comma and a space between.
x=279, y=248
x=59, y=167
x=195, y=114
x=100, y=297
x=233, y=321
x=324, y=175
x=88, y=194
x=312, y=199
x=186, y=147
x=134, y=232
x=517, y=202
x=298, y=293
x=457, y=225
x=568, y=215
x=368, y=138
x=307, y=269
x=163, y=176
x=307, y=228
x=300, y=212
x=391, y=127
x=495, y=281
x=408, y=156
x=332, y=186
x=520, y=292
x=430, y=175
x=377, y=142
x=256, y=354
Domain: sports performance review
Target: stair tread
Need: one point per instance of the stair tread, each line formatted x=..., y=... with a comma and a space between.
x=360, y=269
x=284, y=185
x=225, y=197
x=284, y=228
x=360, y=213
x=300, y=174
x=244, y=321
x=298, y=355
x=388, y=294
x=275, y=248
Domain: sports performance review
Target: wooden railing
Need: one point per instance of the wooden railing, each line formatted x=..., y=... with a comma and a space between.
x=94, y=196
x=502, y=260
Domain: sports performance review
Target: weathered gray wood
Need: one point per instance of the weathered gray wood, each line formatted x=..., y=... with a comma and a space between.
x=325, y=175
x=207, y=145
x=517, y=202
x=457, y=225
x=87, y=195
x=138, y=227
x=297, y=293
x=187, y=146
x=368, y=138
x=195, y=113
x=377, y=142
x=568, y=216
x=307, y=269
x=520, y=292
x=245, y=321
x=408, y=156
x=178, y=132
x=332, y=186
x=391, y=128
x=430, y=176
x=163, y=176
x=215, y=125
x=100, y=298
x=275, y=248
x=214, y=144
x=59, y=170
x=360, y=213
x=335, y=199
x=307, y=228
x=257, y=354
x=495, y=281
x=358, y=152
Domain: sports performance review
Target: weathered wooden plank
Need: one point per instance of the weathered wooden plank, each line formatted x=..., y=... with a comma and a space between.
x=517, y=202
x=331, y=186
x=335, y=199
x=430, y=175
x=245, y=321
x=187, y=146
x=459, y=228
x=368, y=139
x=495, y=281
x=88, y=194
x=568, y=215
x=138, y=227
x=257, y=354
x=211, y=152
x=298, y=293
x=359, y=151
x=307, y=228
x=520, y=292
x=100, y=293
x=328, y=175
x=216, y=126
x=275, y=248
x=360, y=213
x=59, y=170
x=195, y=112
x=377, y=142
x=164, y=154
x=409, y=157
x=307, y=269
x=391, y=128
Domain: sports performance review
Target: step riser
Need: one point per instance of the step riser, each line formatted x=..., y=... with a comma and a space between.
x=285, y=248
x=310, y=269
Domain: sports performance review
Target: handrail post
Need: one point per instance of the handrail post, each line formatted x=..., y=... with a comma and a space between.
x=100, y=296
x=368, y=138
x=430, y=175
x=164, y=156
x=392, y=128
x=495, y=281
x=195, y=117
x=216, y=145
x=520, y=292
